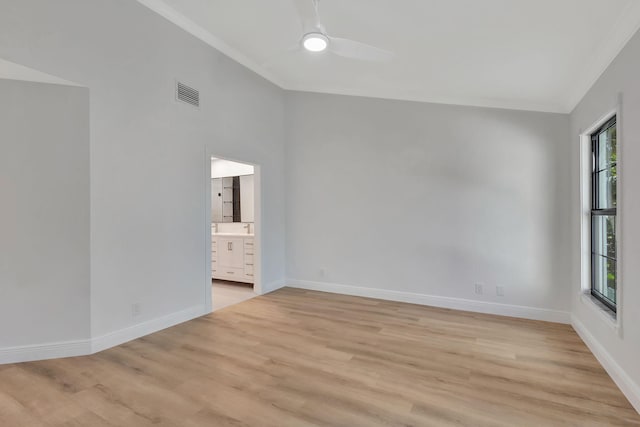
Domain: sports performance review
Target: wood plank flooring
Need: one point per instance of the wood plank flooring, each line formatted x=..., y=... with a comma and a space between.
x=225, y=294
x=302, y=358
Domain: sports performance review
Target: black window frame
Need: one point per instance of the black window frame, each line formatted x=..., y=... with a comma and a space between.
x=596, y=211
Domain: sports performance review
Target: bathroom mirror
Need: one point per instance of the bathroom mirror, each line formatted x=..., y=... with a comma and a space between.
x=232, y=199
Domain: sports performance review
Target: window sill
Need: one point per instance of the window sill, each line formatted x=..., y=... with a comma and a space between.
x=609, y=317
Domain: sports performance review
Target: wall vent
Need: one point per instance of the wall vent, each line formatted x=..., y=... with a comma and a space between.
x=187, y=94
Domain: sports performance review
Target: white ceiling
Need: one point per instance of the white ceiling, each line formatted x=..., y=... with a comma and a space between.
x=524, y=54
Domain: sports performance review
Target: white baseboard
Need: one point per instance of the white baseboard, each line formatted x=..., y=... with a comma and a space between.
x=56, y=350
x=112, y=339
x=273, y=286
x=85, y=347
x=525, y=312
x=122, y=336
x=629, y=388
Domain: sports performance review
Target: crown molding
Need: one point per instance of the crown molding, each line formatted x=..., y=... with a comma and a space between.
x=175, y=17
x=626, y=26
x=504, y=104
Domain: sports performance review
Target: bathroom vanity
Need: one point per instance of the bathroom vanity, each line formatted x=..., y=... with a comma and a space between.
x=232, y=256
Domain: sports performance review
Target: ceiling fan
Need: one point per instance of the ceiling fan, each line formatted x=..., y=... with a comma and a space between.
x=315, y=38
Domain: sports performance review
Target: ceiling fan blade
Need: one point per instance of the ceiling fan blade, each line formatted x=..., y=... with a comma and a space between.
x=308, y=12
x=357, y=50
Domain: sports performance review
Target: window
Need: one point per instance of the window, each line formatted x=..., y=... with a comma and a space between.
x=603, y=214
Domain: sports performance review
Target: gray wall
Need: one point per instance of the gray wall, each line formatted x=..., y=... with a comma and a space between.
x=148, y=153
x=622, y=77
x=428, y=198
x=44, y=219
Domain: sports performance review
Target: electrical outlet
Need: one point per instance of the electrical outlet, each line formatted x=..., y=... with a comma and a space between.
x=479, y=288
x=135, y=310
x=500, y=291
x=321, y=272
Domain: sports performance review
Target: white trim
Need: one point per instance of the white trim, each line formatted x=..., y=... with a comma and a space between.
x=414, y=96
x=177, y=18
x=609, y=318
x=58, y=350
x=628, y=387
x=625, y=27
x=258, y=288
x=619, y=215
x=525, y=312
x=613, y=321
x=273, y=286
x=55, y=350
x=124, y=335
x=208, y=274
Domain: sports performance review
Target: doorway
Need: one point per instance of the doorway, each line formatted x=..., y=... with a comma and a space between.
x=234, y=218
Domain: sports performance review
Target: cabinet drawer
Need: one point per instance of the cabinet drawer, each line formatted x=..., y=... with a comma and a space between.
x=248, y=259
x=230, y=272
x=248, y=269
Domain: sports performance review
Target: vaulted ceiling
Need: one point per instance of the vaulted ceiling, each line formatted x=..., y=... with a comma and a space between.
x=524, y=54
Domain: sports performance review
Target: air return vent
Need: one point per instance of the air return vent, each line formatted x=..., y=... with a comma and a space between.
x=187, y=94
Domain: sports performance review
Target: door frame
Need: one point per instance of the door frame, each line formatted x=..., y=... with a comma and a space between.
x=257, y=225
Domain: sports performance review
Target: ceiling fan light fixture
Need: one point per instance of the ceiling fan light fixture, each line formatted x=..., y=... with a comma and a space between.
x=315, y=42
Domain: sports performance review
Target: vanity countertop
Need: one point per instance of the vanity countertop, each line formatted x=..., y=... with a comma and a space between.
x=232, y=234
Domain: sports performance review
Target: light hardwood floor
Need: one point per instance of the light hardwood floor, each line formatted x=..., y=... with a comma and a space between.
x=224, y=294
x=302, y=358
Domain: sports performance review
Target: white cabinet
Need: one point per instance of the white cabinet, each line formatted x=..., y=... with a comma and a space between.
x=230, y=252
x=232, y=258
x=248, y=258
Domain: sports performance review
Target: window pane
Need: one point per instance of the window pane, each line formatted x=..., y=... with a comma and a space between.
x=606, y=186
x=604, y=277
x=603, y=227
x=607, y=155
x=604, y=235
